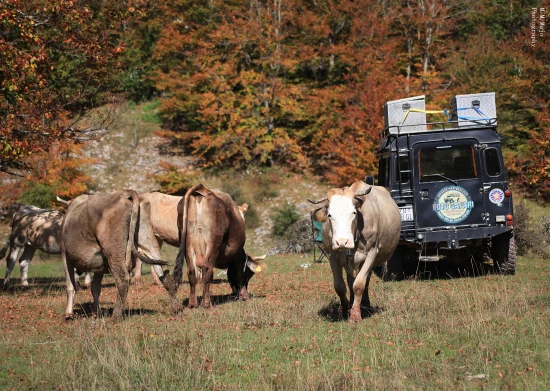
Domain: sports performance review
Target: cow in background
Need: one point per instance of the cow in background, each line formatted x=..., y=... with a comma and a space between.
x=212, y=233
x=361, y=227
x=164, y=218
x=106, y=233
x=32, y=229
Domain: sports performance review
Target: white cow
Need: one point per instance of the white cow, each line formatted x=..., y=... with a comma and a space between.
x=361, y=227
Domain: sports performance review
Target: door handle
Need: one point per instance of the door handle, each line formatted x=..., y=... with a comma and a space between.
x=485, y=189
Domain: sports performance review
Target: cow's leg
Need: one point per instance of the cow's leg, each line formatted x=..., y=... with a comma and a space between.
x=339, y=284
x=192, y=277
x=137, y=273
x=70, y=285
x=361, y=284
x=96, y=291
x=207, y=276
x=24, y=263
x=351, y=280
x=10, y=262
x=122, y=282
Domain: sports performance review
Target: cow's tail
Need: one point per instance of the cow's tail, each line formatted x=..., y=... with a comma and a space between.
x=183, y=207
x=133, y=234
x=4, y=250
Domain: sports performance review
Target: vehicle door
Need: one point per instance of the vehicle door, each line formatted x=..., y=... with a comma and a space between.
x=448, y=184
x=495, y=184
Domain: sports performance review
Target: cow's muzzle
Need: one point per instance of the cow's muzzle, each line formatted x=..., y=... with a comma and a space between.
x=342, y=244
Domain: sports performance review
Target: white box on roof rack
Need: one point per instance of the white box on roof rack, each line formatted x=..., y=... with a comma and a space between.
x=474, y=110
x=400, y=117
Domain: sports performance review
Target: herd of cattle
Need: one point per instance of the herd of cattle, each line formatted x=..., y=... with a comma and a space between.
x=115, y=232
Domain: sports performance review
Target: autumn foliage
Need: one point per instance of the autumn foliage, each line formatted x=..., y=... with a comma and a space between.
x=298, y=83
x=56, y=60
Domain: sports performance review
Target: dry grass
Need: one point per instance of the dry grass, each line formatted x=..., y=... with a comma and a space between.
x=487, y=332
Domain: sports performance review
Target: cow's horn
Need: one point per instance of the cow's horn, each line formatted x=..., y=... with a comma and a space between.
x=318, y=202
x=61, y=201
x=364, y=192
x=257, y=258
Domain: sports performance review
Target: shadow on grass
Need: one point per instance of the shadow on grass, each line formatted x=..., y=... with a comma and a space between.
x=222, y=299
x=42, y=286
x=85, y=311
x=442, y=270
x=333, y=312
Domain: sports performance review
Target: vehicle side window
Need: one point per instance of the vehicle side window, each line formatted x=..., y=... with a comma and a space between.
x=440, y=163
x=402, y=164
x=492, y=162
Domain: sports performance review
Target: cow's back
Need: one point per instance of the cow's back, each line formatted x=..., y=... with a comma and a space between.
x=91, y=220
x=381, y=214
x=389, y=222
x=164, y=215
x=39, y=228
x=214, y=223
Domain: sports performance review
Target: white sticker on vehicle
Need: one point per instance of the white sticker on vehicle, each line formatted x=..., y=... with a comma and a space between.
x=496, y=196
x=453, y=204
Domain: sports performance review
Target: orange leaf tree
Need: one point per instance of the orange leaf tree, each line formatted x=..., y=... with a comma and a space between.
x=57, y=57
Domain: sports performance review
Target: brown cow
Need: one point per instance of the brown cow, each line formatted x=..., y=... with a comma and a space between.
x=32, y=229
x=212, y=235
x=164, y=218
x=105, y=233
x=361, y=227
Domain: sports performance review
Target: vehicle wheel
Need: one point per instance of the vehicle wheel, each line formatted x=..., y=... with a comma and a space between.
x=504, y=254
x=392, y=270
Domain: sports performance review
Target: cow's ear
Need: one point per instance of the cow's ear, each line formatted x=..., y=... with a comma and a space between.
x=256, y=267
x=358, y=202
x=320, y=215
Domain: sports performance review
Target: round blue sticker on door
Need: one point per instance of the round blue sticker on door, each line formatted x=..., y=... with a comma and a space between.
x=453, y=204
x=496, y=196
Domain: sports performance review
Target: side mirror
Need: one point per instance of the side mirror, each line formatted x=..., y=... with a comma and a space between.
x=369, y=180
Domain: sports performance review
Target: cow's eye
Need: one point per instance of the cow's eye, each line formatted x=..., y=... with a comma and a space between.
x=329, y=215
x=354, y=212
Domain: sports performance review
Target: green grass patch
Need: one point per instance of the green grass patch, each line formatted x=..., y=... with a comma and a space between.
x=149, y=112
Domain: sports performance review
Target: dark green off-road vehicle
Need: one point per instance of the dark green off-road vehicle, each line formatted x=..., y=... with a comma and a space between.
x=449, y=182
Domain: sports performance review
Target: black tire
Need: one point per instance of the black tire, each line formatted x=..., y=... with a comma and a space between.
x=392, y=270
x=504, y=254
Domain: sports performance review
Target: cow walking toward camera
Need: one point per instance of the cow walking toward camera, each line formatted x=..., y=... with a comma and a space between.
x=32, y=229
x=213, y=235
x=106, y=233
x=361, y=227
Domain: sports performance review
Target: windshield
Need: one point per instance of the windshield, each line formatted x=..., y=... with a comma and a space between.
x=444, y=163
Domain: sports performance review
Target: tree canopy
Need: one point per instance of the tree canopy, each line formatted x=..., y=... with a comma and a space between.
x=274, y=82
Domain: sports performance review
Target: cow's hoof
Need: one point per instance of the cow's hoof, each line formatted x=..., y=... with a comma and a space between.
x=177, y=308
x=355, y=317
x=69, y=318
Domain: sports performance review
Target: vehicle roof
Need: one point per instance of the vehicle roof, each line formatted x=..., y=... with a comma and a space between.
x=481, y=134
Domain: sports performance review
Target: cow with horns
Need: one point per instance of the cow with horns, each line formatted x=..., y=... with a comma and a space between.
x=361, y=227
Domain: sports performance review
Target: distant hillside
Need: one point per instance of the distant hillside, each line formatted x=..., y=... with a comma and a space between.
x=130, y=154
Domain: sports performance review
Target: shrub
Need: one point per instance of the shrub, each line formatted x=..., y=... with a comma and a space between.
x=283, y=219
x=174, y=180
x=532, y=237
x=39, y=195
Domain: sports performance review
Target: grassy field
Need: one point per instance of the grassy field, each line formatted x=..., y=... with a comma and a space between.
x=443, y=331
